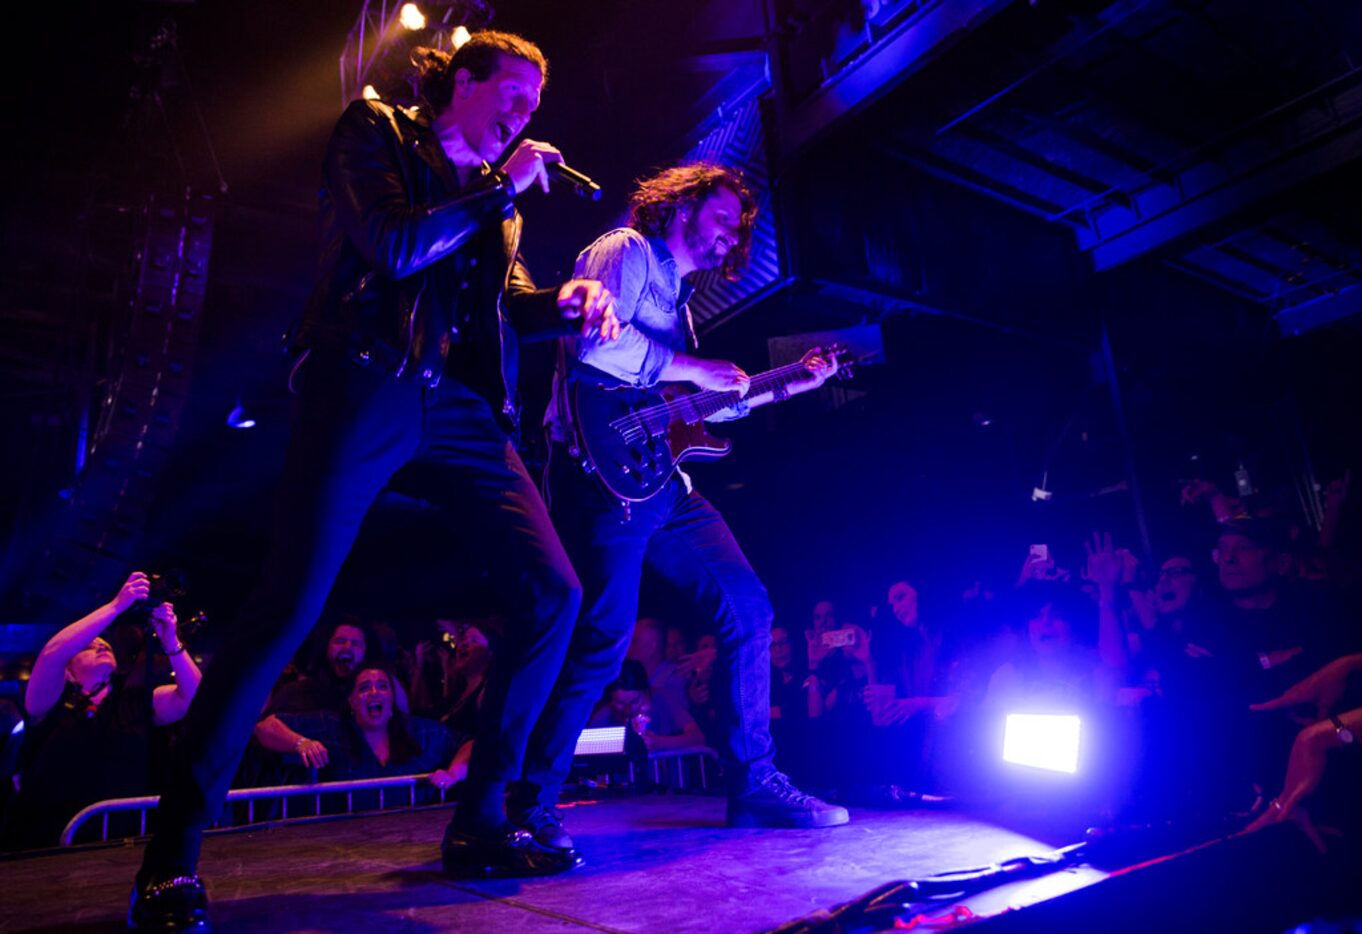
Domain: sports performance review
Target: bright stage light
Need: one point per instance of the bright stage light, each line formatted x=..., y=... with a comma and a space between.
x=237, y=418
x=371, y=93
x=411, y=17
x=1042, y=741
x=460, y=36
x=601, y=741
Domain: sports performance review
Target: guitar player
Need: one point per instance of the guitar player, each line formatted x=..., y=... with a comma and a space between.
x=682, y=220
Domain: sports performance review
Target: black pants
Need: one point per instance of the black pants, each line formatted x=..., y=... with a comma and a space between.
x=354, y=431
x=683, y=538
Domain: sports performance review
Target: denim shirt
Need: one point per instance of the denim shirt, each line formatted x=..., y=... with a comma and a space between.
x=650, y=302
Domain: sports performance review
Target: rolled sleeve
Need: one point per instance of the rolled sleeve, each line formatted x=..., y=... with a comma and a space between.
x=620, y=261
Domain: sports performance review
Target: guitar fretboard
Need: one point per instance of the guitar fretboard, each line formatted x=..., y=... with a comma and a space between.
x=697, y=406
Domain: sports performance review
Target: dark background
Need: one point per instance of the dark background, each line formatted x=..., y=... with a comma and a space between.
x=965, y=204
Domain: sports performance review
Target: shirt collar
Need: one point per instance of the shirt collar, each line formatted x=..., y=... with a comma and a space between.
x=665, y=257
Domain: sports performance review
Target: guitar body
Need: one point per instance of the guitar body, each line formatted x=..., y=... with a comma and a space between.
x=631, y=440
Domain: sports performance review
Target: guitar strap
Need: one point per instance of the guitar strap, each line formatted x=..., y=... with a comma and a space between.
x=565, y=414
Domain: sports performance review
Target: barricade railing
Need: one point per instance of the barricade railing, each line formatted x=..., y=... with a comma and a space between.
x=281, y=793
x=662, y=763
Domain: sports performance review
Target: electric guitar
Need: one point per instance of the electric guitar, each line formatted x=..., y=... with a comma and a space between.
x=632, y=439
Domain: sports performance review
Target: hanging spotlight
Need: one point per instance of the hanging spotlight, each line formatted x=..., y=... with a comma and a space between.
x=237, y=418
x=411, y=17
x=371, y=93
x=460, y=36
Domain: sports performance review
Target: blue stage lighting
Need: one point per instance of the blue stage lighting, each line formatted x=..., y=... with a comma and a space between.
x=1042, y=741
x=237, y=418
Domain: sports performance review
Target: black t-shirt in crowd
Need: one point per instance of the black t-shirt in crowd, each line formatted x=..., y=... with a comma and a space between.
x=76, y=755
x=1237, y=639
x=318, y=690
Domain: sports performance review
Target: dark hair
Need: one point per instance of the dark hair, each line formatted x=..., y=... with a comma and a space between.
x=402, y=746
x=657, y=198
x=632, y=677
x=481, y=55
x=1065, y=601
x=326, y=629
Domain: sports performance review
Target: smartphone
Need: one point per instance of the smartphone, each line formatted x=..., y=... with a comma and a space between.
x=836, y=638
x=1039, y=553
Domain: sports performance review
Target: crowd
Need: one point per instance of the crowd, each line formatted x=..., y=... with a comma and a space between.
x=1217, y=681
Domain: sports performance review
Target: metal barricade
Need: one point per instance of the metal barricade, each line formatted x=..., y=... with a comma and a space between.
x=102, y=809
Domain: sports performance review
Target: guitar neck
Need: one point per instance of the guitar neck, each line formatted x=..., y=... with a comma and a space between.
x=711, y=401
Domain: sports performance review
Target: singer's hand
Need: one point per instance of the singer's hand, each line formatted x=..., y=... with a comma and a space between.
x=526, y=164
x=592, y=302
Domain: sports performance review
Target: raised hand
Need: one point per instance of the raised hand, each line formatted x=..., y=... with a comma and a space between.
x=817, y=650
x=165, y=625
x=1106, y=565
x=698, y=660
x=1194, y=491
x=136, y=587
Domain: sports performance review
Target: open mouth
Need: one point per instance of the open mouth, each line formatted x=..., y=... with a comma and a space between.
x=503, y=132
x=374, y=709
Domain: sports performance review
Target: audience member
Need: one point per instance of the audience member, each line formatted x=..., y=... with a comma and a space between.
x=87, y=731
x=1056, y=666
x=666, y=680
x=677, y=644
x=468, y=677
x=325, y=686
x=839, y=654
x=794, y=691
x=629, y=702
x=373, y=739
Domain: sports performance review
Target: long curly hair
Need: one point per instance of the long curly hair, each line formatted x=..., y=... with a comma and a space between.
x=481, y=55
x=657, y=199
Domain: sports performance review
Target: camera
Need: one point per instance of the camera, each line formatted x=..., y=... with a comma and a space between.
x=172, y=585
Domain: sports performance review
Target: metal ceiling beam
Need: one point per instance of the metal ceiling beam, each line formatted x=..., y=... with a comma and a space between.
x=904, y=50
x=1327, y=126
x=1298, y=319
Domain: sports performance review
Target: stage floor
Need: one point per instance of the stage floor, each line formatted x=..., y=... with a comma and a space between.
x=654, y=863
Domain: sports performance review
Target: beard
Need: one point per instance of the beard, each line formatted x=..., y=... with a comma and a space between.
x=705, y=255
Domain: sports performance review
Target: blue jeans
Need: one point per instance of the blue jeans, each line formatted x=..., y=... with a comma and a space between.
x=685, y=540
x=355, y=431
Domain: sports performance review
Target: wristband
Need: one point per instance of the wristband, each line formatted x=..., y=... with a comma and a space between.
x=180, y=648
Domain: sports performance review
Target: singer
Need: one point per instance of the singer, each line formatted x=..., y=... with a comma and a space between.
x=406, y=373
x=682, y=220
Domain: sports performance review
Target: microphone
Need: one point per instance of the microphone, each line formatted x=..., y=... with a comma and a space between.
x=581, y=185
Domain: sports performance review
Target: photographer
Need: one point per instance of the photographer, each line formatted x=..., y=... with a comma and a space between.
x=87, y=731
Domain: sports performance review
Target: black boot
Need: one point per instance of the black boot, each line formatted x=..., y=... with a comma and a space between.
x=545, y=824
x=178, y=903
x=507, y=852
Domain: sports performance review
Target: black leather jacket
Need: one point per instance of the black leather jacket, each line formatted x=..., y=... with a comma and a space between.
x=402, y=245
